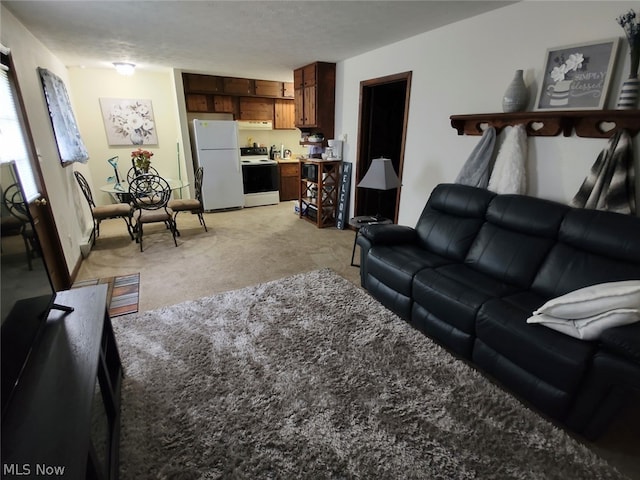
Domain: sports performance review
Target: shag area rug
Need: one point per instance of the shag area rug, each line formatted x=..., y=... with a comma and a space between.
x=308, y=377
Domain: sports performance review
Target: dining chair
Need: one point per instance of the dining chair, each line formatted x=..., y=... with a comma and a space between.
x=19, y=219
x=150, y=195
x=193, y=205
x=103, y=212
x=134, y=172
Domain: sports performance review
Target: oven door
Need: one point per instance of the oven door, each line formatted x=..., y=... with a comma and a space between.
x=260, y=178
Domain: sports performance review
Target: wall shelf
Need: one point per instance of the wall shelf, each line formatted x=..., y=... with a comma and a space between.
x=585, y=123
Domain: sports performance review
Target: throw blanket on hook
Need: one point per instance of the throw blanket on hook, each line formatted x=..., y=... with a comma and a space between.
x=475, y=172
x=509, y=172
x=610, y=184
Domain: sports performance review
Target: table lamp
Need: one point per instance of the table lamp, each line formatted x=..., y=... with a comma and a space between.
x=380, y=176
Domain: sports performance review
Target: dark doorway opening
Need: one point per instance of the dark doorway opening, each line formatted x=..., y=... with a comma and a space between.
x=384, y=110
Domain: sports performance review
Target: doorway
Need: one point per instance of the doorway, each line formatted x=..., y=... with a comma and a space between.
x=384, y=111
x=39, y=209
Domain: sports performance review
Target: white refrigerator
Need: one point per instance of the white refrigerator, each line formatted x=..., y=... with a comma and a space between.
x=217, y=152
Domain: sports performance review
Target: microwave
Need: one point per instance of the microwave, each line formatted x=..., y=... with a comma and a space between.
x=310, y=172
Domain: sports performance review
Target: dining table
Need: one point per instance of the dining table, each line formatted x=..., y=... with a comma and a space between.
x=120, y=191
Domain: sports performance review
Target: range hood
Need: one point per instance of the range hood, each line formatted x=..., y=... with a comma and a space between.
x=255, y=125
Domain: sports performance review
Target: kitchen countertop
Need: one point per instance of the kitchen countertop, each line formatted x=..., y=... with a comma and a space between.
x=288, y=160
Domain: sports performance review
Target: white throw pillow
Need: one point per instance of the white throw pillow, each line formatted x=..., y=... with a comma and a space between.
x=588, y=328
x=593, y=300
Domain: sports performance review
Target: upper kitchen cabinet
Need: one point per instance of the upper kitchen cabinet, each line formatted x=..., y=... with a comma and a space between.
x=314, y=97
x=195, y=83
x=284, y=115
x=288, y=90
x=238, y=86
x=267, y=88
x=254, y=108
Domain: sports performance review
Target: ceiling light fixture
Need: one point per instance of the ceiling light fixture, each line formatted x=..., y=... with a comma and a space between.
x=124, y=68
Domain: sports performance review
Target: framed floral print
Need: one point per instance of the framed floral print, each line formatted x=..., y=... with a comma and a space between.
x=128, y=122
x=577, y=77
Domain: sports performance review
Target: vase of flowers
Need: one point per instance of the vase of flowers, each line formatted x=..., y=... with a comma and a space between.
x=628, y=97
x=141, y=160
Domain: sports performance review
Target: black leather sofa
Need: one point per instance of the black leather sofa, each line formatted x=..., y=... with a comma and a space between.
x=478, y=264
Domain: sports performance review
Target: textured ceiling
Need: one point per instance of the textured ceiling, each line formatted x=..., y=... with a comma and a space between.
x=255, y=39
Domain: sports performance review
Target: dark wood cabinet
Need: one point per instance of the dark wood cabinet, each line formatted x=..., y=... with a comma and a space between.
x=198, y=102
x=202, y=83
x=315, y=86
x=267, y=88
x=245, y=98
x=289, y=177
x=238, y=86
x=284, y=115
x=287, y=90
x=64, y=418
x=223, y=104
x=254, y=108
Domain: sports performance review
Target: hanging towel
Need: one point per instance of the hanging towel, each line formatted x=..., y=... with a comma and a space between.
x=610, y=184
x=476, y=170
x=509, y=172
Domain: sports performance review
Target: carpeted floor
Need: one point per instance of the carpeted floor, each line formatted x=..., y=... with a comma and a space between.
x=308, y=377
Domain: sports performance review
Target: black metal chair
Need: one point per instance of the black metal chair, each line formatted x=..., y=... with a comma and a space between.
x=193, y=205
x=136, y=172
x=150, y=195
x=103, y=212
x=14, y=204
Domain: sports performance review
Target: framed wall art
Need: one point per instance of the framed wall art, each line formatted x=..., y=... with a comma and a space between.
x=577, y=77
x=128, y=121
x=71, y=148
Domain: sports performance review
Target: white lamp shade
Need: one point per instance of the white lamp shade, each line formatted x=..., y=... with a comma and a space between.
x=380, y=176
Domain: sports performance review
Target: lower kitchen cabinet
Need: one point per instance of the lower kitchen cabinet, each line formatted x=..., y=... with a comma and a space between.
x=289, y=180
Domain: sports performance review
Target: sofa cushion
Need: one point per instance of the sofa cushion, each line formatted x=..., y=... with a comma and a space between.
x=517, y=236
x=557, y=359
x=624, y=341
x=456, y=293
x=396, y=265
x=587, y=253
x=451, y=219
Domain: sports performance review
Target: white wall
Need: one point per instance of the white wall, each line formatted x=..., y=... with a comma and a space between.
x=90, y=85
x=465, y=68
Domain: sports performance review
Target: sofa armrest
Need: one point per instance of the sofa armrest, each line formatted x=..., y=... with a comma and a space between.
x=623, y=341
x=389, y=234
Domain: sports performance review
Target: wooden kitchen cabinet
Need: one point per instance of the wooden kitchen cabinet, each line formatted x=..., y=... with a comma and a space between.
x=238, y=86
x=267, y=88
x=284, y=115
x=287, y=90
x=254, y=108
x=289, y=180
x=197, y=103
x=194, y=83
x=314, y=97
x=223, y=104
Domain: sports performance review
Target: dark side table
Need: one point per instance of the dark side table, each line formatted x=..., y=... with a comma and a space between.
x=357, y=223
